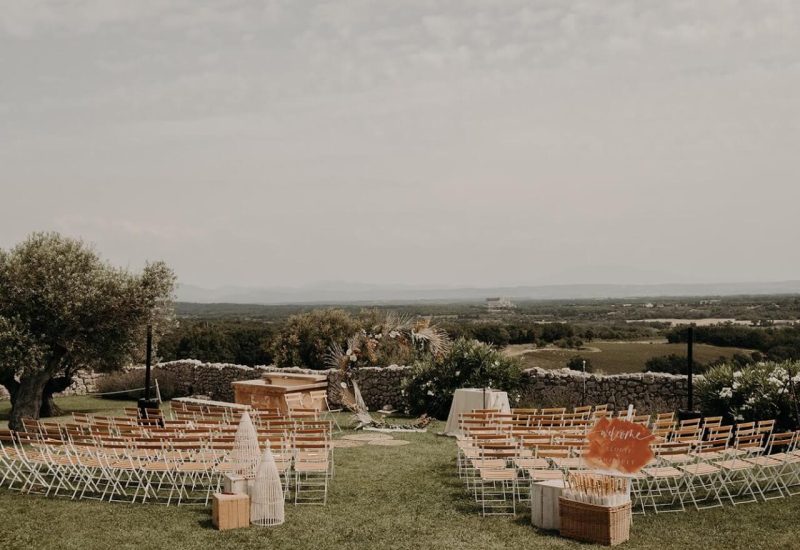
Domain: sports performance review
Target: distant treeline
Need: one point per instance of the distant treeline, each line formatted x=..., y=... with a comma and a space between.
x=503, y=333
x=777, y=343
x=255, y=341
x=754, y=308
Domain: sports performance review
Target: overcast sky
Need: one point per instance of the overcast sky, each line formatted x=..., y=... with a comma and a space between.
x=458, y=142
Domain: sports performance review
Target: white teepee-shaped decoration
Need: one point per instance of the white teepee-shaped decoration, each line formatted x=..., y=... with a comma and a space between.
x=266, y=494
x=245, y=453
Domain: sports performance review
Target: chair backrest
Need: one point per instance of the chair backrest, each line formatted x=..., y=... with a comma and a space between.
x=661, y=434
x=474, y=419
x=765, y=426
x=487, y=412
x=716, y=439
x=663, y=423
x=552, y=451
x=518, y=424
x=745, y=428
x=293, y=400
x=750, y=441
x=672, y=448
x=641, y=419
x=570, y=419
x=712, y=421
x=488, y=438
x=29, y=425
x=689, y=435
x=570, y=440
x=489, y=463
x=784, y=441
x=7, y=437
x=623, y=413
x=498, y=450
x=689, y=423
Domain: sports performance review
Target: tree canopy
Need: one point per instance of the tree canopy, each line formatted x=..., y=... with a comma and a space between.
x=63, y=308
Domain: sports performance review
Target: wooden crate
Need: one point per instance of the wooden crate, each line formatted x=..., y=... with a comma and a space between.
x=608, y=525
x=230, y=511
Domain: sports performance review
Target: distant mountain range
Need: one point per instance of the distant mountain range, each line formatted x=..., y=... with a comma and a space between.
x=338, y=292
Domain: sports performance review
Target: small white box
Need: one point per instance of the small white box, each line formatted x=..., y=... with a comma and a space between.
x=545, y=512
x=234, y=484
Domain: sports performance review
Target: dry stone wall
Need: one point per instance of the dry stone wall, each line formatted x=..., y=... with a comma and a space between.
x=380, y=386
x=383, y=386
x=647, y=392
x=83, y=382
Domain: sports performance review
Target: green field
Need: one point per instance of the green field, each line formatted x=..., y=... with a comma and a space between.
x=615, y=357
x=388, y=498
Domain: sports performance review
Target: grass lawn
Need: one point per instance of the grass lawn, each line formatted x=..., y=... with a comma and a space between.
x=76, y=403
x=615, y=357
x=383, y=498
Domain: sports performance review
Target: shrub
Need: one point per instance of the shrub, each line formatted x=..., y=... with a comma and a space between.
x=756, y=392
x=168, y=384
x=220, y=341
x=491, y=333
x=569, y=343
x=779, y=343
x=672, y=364
x=576, y=363
x=306, y=338
x=552, y=332
x=432, y=382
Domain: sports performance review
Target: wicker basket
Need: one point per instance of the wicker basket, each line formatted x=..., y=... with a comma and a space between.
x=608, y=525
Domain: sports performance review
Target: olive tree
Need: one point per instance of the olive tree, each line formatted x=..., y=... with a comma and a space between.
x=63, y=308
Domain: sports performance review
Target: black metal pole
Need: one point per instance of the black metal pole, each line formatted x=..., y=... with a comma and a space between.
x=583, y=397
x=483, y=382
x=690, y=365
x=147, y=361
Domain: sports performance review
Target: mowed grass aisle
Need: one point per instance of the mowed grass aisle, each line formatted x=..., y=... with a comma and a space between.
x=383, y=498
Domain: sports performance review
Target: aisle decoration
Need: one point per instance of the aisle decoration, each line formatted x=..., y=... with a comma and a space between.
x=596, y=506
x=599, y=489
x=245, y=455
x=619, y=445
x=266, y=495
x=396, y=337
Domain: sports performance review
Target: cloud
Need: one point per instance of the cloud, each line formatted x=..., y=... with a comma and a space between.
x=450, y=130
x=29, y=18
x=101, y=228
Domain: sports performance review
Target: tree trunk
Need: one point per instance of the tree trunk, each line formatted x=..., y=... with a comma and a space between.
x=10, y=383
x=49, y=407
x=54, y=385
x=28, y=400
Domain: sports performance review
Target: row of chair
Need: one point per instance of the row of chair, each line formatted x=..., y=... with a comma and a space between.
x=180, y=462
x=702, y=463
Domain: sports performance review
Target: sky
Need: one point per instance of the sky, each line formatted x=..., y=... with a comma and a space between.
x=449, y=143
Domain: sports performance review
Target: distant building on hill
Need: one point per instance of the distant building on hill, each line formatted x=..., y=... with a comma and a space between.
x=499, y=304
